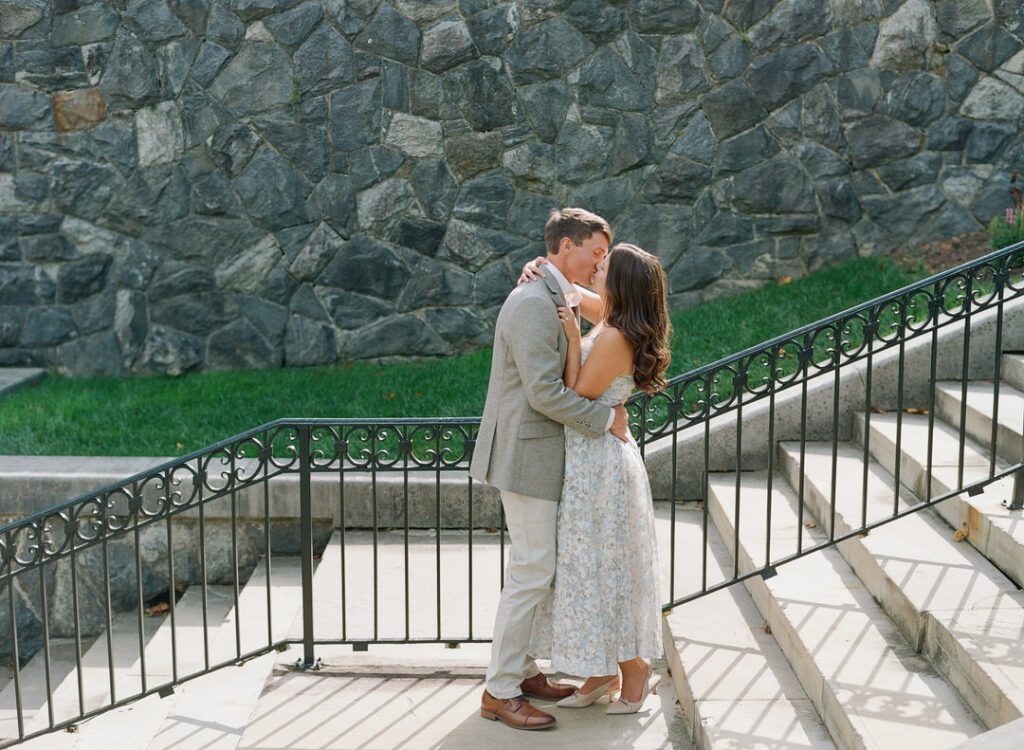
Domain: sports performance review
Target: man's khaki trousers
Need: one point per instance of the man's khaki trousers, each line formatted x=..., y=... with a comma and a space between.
x=532, y=526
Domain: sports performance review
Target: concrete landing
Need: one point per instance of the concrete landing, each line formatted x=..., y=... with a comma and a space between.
x=389, y=698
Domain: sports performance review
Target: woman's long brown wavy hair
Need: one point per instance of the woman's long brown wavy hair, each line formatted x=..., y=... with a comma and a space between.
x=636, y=302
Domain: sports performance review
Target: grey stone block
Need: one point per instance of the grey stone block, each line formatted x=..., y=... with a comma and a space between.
x=732, y=108
x=482, y=94
x=258, y=78
x=130, y=78
x=446, y=44
x=22, y=108
x=270, y=190
x=292, y=27
x=665, y=16
x=493, y=29
x=391, y=35
x=92, y=23
x=366, y=265
x=548, y=50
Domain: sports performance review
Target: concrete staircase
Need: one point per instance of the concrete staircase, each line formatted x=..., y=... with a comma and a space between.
x=206, y=712
x=903, y=637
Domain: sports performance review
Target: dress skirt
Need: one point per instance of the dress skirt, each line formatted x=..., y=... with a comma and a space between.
x=605, y=605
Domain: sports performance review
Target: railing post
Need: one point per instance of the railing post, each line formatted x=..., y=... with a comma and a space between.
x=1017, y=501
x=308, y=660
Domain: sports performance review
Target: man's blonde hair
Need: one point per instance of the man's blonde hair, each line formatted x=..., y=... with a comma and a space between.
x=575, y=223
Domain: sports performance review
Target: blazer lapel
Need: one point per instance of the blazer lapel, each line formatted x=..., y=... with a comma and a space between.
x=559, y=300
x=555, y=289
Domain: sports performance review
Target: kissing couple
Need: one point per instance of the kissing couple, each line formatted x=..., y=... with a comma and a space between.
x=554, y=440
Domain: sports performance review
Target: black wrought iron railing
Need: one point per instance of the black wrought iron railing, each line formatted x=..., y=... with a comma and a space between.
x=760, y=376
x=394, y=542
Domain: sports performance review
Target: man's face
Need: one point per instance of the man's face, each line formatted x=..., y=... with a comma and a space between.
x=583, y=259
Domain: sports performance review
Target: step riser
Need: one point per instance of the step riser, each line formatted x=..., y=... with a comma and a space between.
x=1010, y=445
x=924, y=633
x=994, y=541
x=1013, y=370
x=684, y=694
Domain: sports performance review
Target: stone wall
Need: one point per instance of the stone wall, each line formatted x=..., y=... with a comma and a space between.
x=191, y=184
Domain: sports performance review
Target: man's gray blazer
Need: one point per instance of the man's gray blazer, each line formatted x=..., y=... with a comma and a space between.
x=521, y=445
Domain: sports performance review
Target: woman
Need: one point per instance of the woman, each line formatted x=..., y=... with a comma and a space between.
x=604, y=616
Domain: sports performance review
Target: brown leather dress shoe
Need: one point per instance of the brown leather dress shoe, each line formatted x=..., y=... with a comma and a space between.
x=516, y=712
x=539, y=686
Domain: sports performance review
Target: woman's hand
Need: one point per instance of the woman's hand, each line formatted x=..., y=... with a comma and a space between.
x=532, y=270
x=570, y=325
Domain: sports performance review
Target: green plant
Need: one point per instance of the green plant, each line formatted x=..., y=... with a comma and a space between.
x=296, y=96
x=1008, y=229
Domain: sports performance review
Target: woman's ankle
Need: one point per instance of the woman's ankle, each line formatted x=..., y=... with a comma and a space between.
x=634, y=675
x=593, y=683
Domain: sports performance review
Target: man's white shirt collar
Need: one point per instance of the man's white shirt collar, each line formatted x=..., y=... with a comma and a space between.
x=569, y=291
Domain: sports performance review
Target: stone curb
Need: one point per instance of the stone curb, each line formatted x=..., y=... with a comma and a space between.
x=15, y=378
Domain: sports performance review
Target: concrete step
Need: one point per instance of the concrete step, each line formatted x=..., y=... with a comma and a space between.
x=134, y=725
x=1013, y=370
x=980, y=408
x=949, y=602
x=32, y=680
x=1006, y=737
x=993, y=530
x=122, y=649
x=869, y=686
x=211, y=712
x=734, y=684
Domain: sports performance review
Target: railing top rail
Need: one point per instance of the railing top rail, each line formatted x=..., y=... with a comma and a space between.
x=823, y=323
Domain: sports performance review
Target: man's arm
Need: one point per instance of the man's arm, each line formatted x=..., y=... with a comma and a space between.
x=533, y=342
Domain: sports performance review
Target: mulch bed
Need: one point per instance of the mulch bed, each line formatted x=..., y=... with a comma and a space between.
x=941, y=255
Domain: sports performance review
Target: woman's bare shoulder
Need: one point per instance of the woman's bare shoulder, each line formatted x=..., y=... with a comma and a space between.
x=612, y=337
x=611, y=342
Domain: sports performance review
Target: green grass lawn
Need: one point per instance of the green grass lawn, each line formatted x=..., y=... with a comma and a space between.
x=164, y=416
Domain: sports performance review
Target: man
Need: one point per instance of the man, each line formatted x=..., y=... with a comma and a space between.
x=521, y=451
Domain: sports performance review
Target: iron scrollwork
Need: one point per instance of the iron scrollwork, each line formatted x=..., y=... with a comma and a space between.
x=835, y=342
